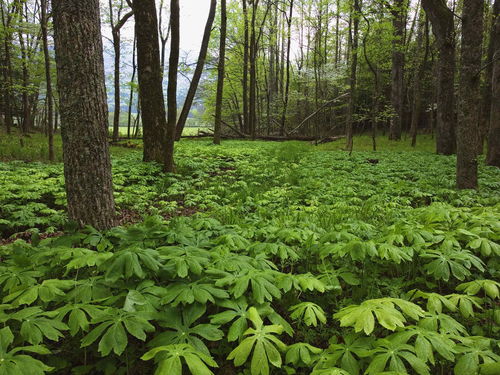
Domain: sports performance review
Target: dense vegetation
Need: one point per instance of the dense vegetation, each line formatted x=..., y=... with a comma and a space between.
x=366, y=242
x=274, y=258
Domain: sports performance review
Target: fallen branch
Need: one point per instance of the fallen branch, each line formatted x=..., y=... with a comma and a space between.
x=317, y=111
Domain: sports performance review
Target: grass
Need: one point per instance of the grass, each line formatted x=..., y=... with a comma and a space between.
x=35, y=147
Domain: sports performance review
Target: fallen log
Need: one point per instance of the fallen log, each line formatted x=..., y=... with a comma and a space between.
x=316, y=112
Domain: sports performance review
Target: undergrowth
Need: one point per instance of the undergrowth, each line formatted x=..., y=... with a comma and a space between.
x=299, y=261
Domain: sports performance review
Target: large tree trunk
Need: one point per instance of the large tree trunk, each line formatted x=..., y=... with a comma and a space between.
x=150, y=81
x=173, y=65
x=493, y=157
x=84, y=112
x=441, y=19
x=397, y=71
x=197, y=72
x=220, y=73
x=48, y=80
x=470, y=95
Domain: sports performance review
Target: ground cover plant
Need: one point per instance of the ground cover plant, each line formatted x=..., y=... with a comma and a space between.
x=255, y=258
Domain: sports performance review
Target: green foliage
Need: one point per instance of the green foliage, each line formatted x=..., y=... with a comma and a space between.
x=282, y=241
x=266, y=346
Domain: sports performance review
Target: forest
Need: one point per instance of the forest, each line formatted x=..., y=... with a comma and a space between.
x=250, y=187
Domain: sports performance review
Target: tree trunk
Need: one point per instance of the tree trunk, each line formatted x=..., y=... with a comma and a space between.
x=116, y=113
x=493, y=157
x=352, y=78
x=246, y=121
x=25, y=123
x=470, y=95
x=131, y=95
x=288, y=63
x=220, y=73
x=397, y=72
x=150, y=81
x=48, y=80
x=441, y=19
x=253, y=72
x=173, y=65
x=418, y=76
x=83, y=107
x=198, y=71
x=7, y=70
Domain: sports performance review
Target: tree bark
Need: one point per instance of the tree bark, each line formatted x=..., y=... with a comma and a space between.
x=115, y=32
x=132, y=82
x=48, y=79
x=352, y=77
x=246, y=127
x=7, y=69
x=150, y=81
x=493, y=157
x=198, y=71
x=397, y=71
x=83, y=107
x=173, y=65
x=418, y=76
x=441, y=18
x=253, y=72
x=220, y=73
x=288, y=63
x=469, y=107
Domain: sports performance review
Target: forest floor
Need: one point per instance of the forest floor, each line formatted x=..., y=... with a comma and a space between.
x=311, y=229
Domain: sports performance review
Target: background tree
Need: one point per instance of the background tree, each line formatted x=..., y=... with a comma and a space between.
x=150, y=81
x=469, y=94
x=172, y=84
x=198, y=71
x=48, y=78
x=441, y=18
x=117, y=21
x=493, y=157
x=84, y=112
x=220, y=73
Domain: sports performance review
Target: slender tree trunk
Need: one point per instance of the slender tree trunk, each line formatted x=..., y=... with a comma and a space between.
x=7, y=70
x=198, y=71
x=469, y=107
x=220, y=72
x=163, y=36
x=150, y=81
x=131, y=96
x=25, y=123
x=116, y=34
x=116, y=113
x=486, y=87
x=253, y=72
x=246, y=121
x=83, y=106
x=493, y=157
x=288, y=64
x=352, y=78
x=48, y=80
x=173, y=65
x=418, y=76
x=397, y=72
x=441, y=18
